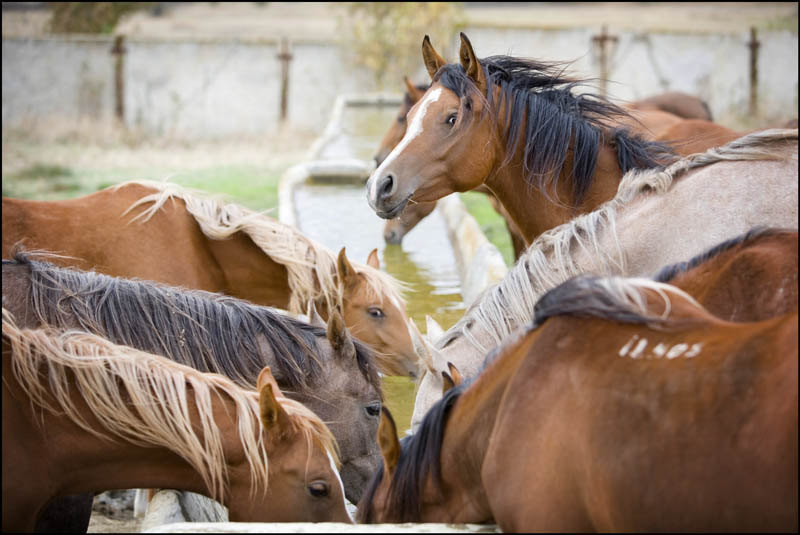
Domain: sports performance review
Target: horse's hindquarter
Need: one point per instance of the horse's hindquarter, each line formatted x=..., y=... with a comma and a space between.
x=168, y=248
x=593, y=437
x=704, y=208
x=249, y=273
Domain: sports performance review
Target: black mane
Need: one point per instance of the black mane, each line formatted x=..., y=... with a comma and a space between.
x=421, y=455
x=668, y=273
x=539, y=95
x=206, y=331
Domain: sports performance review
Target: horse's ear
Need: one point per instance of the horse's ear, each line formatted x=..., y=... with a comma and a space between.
x=433, y=61
x=372, y=259
x=435, y=330
x=447, y=382
x=275, y=419
x=413, y=93
x=338, y=335
x=455, y=375
x=313, y=316
x=266, y=377
x=471, y=64
x=344, y=269
x=421, y=347
x=387, y=440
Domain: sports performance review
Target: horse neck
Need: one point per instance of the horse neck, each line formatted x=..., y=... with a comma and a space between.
x=90, y=463
x=249, y=273
x=533, y=212
x=468, y=432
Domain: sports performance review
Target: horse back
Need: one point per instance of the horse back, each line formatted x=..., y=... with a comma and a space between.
x=697, y=135
x=608, y=426
x=752, y=281
x=677, y=103
x=94, y=233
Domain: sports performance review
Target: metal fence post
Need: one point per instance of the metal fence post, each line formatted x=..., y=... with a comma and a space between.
x=285, y=57
x=118, y=51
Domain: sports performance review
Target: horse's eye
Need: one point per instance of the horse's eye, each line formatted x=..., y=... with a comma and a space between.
x=451, y=120
x=401, y=119
x=318, y=489
x=373, y=409
x=375, y=312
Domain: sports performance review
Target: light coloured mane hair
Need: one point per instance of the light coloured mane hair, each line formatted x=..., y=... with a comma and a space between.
x=141, y=398
x=306, y=261
x=548, y=261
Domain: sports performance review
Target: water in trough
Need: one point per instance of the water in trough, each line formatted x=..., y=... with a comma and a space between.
x=338, y=215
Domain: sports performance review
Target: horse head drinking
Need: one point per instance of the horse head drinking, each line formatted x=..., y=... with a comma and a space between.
x=603, y=395
x=83, y=414
x=168, y=234
x=326, y=369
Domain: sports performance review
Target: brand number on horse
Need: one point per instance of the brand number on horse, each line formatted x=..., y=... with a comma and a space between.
x=636, y=348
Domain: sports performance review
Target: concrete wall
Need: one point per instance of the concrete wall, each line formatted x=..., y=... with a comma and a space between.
x=58, y=79
x=715, y=67
x=223, y=89
x=208, y=89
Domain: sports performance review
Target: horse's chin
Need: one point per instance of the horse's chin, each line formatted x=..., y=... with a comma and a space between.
x=356, y=474
x=394, y=211
x=393, y=238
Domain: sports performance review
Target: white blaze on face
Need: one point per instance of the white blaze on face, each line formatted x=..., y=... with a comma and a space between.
x=414, y=129
x=338, y=477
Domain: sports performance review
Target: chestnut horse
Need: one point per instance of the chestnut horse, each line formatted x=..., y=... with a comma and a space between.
x=626, y=406
x=331, y=373
x=658, y=217
x=82, y=414
x=675, y=102
x=205, y=244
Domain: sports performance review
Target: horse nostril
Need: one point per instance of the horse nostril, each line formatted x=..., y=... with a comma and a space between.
x=386, y=188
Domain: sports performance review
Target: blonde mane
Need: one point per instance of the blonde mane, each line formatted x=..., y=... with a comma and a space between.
x=310, y=265
x=548, y=261
x=141, y=398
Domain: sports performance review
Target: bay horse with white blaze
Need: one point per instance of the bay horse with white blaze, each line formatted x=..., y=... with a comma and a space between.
x=658, y=218
x=625, y=406
x=545, y=153
x=664, y=119
x=82, y=414
x=165, y=233
x=330, y=372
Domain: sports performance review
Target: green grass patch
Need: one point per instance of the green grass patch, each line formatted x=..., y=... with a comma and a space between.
x=42, y=171
x=252, y=186
x=492, y=224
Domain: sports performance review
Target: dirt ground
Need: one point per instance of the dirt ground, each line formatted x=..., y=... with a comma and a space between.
x=99, y=523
